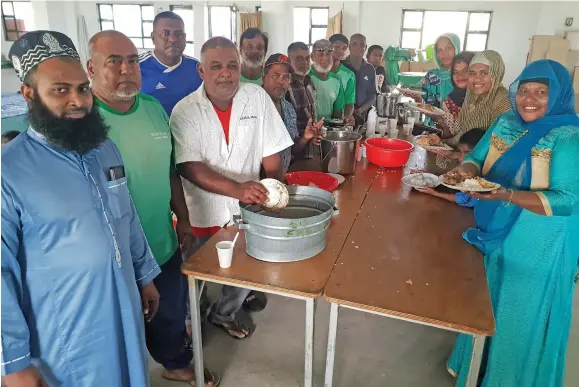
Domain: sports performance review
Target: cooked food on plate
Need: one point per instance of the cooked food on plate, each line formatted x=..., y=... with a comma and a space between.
x=467, y=181
x=456, y=178
x=424, y=106
x=429, y=140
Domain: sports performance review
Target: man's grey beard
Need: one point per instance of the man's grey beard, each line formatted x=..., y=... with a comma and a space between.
x=320, y=69
x=302, y=73
x=123, y=96
x=251, y=63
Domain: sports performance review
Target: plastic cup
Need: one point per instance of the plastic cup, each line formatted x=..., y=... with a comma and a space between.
x=393, y=133
x=392, y=123
x=382, y=128
x=225, y=253
x=406, y=129
x=411, y=121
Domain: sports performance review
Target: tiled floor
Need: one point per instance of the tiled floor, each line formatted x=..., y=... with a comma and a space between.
x=372, y=351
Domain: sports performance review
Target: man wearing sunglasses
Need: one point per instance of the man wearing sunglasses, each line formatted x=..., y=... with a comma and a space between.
x=330, y=100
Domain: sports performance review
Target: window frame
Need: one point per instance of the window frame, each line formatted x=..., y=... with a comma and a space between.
x=310, y=43
x=141, y=5
x=233, y=21
x=190, y=8
x=12, y=17
x=466, y=33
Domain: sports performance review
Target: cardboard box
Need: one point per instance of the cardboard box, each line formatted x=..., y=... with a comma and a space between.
x=416, y=67
x=548, y=47
x=429, y=65
x=576, y=82
x=572, y=60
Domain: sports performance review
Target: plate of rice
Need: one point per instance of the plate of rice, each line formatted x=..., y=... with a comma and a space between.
x=422, y=180
x=462, y=181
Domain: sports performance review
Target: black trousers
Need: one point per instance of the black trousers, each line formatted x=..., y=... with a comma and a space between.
x=166, y=335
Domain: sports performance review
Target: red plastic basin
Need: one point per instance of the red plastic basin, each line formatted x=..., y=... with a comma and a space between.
x=388, y=152
x=310, y=178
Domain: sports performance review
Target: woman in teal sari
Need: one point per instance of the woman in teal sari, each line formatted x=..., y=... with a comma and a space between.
x=528, y=231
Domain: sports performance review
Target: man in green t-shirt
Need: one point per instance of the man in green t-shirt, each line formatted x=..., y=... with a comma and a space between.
x=347, y=77
x=329, y=91
x=139, y=127
x=252, y=48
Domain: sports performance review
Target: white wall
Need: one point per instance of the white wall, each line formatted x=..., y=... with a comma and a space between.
x=553, y=15
x=513, y=23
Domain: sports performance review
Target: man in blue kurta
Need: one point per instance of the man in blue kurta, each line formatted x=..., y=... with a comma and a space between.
x=167, y=74
x=76, y=268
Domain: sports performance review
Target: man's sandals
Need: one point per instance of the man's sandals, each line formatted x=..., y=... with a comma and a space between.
x=211, y=380
x=234, y=329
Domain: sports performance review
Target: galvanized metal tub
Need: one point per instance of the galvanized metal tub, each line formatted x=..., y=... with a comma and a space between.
x=339, y=151
x=296, y=233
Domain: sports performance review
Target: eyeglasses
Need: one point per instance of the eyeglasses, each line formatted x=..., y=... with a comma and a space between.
x=324, y=49
x=281, y=77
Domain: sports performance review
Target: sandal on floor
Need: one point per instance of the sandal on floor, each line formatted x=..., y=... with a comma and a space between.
x=208, y=377
x=234, y=325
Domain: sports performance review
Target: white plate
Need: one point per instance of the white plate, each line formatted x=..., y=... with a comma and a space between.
x=469, y=188
x=422, y=180
x=340, y=178
x=436, y=112
x=410, y=91
x=443, y=147
x=277, y=195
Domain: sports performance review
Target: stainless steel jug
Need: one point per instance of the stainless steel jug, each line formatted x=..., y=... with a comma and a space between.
x=339, y=152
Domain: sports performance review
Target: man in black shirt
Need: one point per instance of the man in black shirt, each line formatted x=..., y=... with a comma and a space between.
x=365, y=77
x=374, y=57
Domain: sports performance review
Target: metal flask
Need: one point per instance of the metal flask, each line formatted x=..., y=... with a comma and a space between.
x=339, y=152
x=390, y=100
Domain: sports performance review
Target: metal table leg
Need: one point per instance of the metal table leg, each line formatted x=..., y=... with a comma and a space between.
x=332, y=332
x=309, y=349
x=475, y=362
x=196, y=331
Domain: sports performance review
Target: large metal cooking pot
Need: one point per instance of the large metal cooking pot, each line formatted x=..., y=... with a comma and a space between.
x=340, y=151
x=294, y=234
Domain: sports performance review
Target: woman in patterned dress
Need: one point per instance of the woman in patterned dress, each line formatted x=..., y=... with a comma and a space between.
x=527, y=231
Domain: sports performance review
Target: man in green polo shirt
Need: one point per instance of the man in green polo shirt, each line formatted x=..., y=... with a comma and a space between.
x=139, y=127
x=340, y=45
x=329, y=91
x=252, y=48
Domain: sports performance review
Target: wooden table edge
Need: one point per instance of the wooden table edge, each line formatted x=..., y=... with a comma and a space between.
x=414, y=318
x=247, y=284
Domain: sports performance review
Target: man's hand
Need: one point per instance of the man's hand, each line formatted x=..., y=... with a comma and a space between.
x=426, y=190
x=150, y=300
x=27, y=377
x=313, y=132
x=349, y=120
x=184, y=235
x=251, y=192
